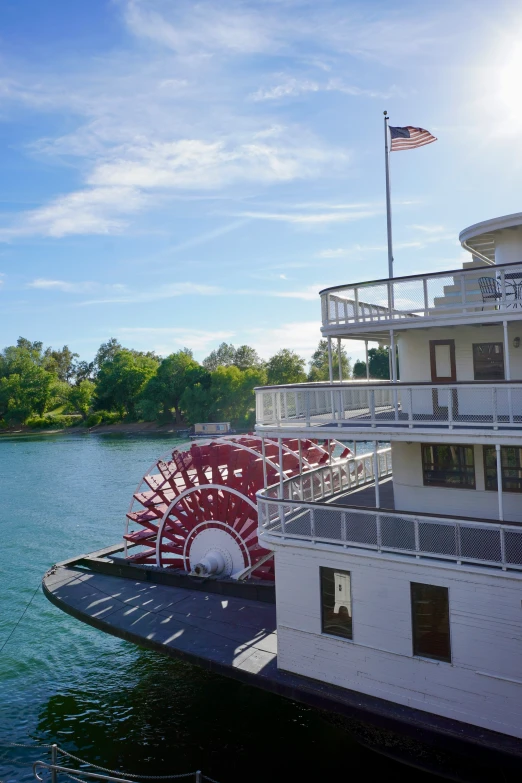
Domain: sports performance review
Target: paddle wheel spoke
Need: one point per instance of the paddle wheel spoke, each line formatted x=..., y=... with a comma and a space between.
x=196, y=508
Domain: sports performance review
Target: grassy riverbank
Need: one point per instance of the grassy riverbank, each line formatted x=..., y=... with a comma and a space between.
x=125, y=428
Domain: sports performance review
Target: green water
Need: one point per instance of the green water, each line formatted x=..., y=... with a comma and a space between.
x=104, y=699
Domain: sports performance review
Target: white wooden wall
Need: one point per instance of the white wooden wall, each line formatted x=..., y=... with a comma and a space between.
x=482, y=685
x=411, y=495
x=414, y=349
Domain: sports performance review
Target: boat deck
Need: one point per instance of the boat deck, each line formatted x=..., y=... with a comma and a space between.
x=236, y=637
x=365, y=496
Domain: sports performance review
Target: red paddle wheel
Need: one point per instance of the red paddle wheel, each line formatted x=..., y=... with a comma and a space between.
x=196, y=509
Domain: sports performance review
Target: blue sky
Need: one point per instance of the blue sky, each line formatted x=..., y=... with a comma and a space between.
x=182, y=173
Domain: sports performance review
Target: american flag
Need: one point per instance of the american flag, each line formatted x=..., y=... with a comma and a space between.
x=408, y=138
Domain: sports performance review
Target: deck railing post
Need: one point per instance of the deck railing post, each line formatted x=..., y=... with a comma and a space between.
x=263, y=457
x=502, y=288
x=356, y=303
x=499, y=482
x=390, y=299
x=54, y=761
x=450, y=408
x=376, y=475
x=463, y=292
x=371, y=395
x=281, y=510
x=378, y=531
x=495, y=408
x=425, y=290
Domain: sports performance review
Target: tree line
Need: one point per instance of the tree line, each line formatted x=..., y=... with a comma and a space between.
x=42, y=387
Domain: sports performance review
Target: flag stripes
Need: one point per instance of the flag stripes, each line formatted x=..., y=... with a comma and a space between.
x=409, y=138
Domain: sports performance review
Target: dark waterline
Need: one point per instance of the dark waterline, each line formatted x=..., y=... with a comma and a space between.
x=107, y=700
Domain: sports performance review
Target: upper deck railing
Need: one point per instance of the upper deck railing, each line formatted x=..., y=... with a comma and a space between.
x=314, y=507
x=429, y=296
x=469, y=405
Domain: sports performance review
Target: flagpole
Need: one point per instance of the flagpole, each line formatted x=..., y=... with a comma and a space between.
x=388, y=200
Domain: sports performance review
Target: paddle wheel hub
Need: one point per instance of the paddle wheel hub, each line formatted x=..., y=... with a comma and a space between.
x=195, y=509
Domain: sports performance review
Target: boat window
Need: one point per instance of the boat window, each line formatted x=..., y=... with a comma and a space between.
x=430, y=621
x=336, y=602
x=511, y=461
x=488, y=361
x=447, y=465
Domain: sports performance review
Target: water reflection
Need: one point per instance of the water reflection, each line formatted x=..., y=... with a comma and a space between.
x=173, y=717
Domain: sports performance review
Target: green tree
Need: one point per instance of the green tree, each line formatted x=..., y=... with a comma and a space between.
x=84, y=371
x=379, y=363
x=58, y=393
x=61, y=363
x=25, y=385
x=25, y=392
x=81, y=397
x=285, y=367
x=319, y=363
x=228, y=397
x=121, y=380
x=359, y=369
x=246, y=357
x=106, y=353
x=174, y=375
x=223, y=356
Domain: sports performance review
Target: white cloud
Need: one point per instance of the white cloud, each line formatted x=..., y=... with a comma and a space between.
x=224, y=28
x=310, y=218
x=91, y=211
x=165, y=340
x=291, y=87
x=431, y=236
x=61, y=285
x=301, y=336
x=196, y=163
x=427, y=229
x=202, y=28
x=70, y=287
x=310, y=293
x=167, y=291
x=138, y=131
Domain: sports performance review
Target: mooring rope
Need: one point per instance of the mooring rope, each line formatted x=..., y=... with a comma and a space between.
x=20, y=618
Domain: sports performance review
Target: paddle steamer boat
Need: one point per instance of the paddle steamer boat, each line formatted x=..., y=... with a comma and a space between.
x=385, y=586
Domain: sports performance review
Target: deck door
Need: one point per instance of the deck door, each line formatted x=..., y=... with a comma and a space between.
x=443, y=370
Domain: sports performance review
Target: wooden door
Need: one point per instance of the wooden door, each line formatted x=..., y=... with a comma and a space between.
x=443, y=370
x=442, y=361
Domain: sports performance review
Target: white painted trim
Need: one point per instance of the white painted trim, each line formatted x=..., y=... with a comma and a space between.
x=499, y=677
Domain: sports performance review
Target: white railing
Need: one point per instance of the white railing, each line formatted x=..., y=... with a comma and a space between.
x=421, y=296
x=329, y=480
x=428, y=536
x=468, y=405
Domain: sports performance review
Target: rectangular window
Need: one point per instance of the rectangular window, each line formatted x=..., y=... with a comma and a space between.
x=511, y=462
x=444, y=465
x=430, y=621
x=488, y=361
x=336, y=602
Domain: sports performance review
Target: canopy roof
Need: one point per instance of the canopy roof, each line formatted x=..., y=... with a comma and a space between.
x=481, y=238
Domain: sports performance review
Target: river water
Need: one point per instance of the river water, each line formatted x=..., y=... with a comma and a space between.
x=104, y=699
